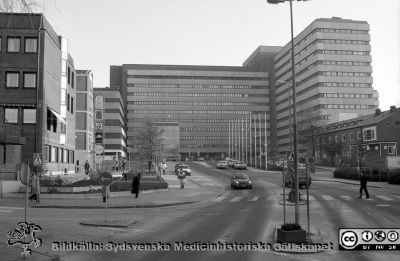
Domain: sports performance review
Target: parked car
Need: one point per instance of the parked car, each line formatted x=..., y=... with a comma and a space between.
x=232, y=162
x=240, y=165
x=185, y=168
x=241, y=180
x=222, y=164
x=303, y=181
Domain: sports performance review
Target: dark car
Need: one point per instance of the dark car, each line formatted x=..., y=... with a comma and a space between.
x=241, y=180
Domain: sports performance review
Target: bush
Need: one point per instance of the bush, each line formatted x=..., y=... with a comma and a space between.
x=346, y=173
x=394, y=178
x=274, y=167
x=291, y=227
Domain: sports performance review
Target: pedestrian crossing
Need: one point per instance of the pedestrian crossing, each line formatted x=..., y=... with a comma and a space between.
x=4, y=210
x=328, y=198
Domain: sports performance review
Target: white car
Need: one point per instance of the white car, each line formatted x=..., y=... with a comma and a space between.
x=222, y=164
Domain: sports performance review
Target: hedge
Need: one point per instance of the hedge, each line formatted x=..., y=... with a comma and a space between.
x=372, y=174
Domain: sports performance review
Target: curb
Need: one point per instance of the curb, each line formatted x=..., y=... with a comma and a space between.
x=116, y=207
x=109, y=223
x=290, y=251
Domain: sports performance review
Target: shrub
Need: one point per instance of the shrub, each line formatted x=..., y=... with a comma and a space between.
x=394, y=178
x=346, y=173
x=291, y=227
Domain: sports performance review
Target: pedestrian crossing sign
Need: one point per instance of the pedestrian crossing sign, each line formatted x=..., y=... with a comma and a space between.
x=37, y=159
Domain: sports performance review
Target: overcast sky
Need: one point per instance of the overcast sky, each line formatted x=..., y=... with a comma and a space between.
x=213, y=32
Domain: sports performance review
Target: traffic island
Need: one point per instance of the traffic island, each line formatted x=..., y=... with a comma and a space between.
x=108, y=223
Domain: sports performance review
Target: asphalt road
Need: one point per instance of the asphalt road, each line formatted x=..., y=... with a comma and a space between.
x=236, y=216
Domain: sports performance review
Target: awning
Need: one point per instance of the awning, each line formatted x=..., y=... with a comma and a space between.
x=58, y=115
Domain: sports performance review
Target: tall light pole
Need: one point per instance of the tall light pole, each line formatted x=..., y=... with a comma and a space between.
x=295, y=152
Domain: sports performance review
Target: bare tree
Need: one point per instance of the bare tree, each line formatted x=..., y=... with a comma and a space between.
x=148, y=141
x=18, y=6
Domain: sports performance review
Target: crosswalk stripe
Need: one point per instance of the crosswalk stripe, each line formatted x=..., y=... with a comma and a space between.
x=3, y=207
x=219, y=199
x=310, y=197
x=385, y=198
x=5, y=211
x=345, y=197
x=254, y=199
x=327, y=197
x=272, y=197
x=236, y=199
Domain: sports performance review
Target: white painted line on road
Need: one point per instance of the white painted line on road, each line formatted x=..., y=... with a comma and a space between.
x=327, y=197
x=4, y=207
x=5, y=211
x=245, y=210
x=345, y=197
x=383, y=205
x=219, y=199
x=272, y=197
x=310, y=197
x=385, y=198
x=254, y=199
x=236, y=199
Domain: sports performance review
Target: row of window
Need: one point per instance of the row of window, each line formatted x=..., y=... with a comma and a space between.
x=344, y=106
x=204, y=129
x=208, y=146
x=13, y=79
x=346, y=95
x=14, y=44
x=187, y=112
x=192, y=103
x=186, y=120
x=11, y=115
x=345, y=52
x=346, y=63
x=177, y=94
x=194, y=77
x=349, y=74
x=204, y=138
x=197, y=86
x=346, y=84
x=342, y=41
x=58, y=155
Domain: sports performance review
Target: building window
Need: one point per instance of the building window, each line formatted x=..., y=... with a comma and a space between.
x=60, y=155
x=13, y=44
x=80, y=141
x=29, y=116
x=65, y=159
x=68, y=101
x=46, y=153
x=12, y=79
x=69, y=75
x=344, y=137
x=71, y=156
x=72, y=105
x=10, y=115
x=351, y=136
x=54, y=154
x=391, y=150
x=0, y=44
x=359, y=135
x=51, y=121
x=336, y=138
x=369, y=134
x=29, y=80
x=30, y=45
x=72, y=79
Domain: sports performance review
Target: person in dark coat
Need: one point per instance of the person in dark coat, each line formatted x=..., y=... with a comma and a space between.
x=87, y=167
x=363, y=185
x=135, y=184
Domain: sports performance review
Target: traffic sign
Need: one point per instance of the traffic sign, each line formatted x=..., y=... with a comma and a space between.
x=98, y=159
x=25, y=173
x=37, y=159
x=99, y=137
x=106, y=179
x=98, y=149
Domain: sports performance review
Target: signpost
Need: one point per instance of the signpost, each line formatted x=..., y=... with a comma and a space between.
x=24, y=175
x=106, y=180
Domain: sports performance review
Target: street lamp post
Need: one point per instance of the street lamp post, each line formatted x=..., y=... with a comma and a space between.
x=295, y=156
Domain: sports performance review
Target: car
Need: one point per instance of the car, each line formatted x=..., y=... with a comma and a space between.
x=200, y=158
x=232, y=162
x=177, y=166
x=303, y=180
x=185, y=169
x=240, y=165
x=222, y=164
x=241, y=180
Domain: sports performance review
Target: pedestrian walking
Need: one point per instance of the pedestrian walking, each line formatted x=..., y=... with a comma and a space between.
x=135, y=184
x=87, y=167
x=164, y=167
x=35, y=188
x=123, y=166
x=181, y=177
x=363, y=185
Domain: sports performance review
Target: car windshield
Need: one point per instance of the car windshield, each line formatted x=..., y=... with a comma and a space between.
x=223, y=162
x=241, y=176
x=184, y=166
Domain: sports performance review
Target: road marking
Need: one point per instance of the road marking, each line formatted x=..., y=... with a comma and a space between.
x=310, y=197
x=383, y=205
x=254, y=199
x=245, y=210
x=385, y=198
x=272, y=197
x=219, y=199
x=236, y=199
x=327, y=197
x=345, y=197
x=5, y=211
x=3, y=207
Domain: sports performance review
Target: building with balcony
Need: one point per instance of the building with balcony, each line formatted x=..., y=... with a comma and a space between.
x=37, y=90
x=333, y=78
